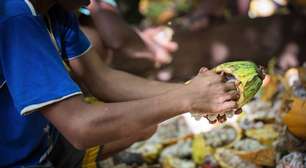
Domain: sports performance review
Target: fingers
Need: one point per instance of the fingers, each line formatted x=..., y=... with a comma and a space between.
x=212, y=119
x=212, y=122
x=170, y=46
x=203, y=69
x=162, y=37
x=222, y=75
x=226, y=106
x=162, y=56
x=221, y=118
x=237, y=83
x=238, y=111
x=230, y=86
x=160, y=52
x=144, y=54
x=212, y=77
x=229, y=96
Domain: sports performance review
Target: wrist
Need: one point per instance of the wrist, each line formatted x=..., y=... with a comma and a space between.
x=181, y=98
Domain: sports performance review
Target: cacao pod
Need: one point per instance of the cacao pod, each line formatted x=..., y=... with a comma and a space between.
x=247, y=74
x=250, y=78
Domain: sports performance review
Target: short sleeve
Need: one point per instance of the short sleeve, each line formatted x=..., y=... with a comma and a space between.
x=76, y=43
x=33, y=70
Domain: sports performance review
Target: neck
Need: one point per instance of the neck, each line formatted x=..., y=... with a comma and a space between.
x=42, y=6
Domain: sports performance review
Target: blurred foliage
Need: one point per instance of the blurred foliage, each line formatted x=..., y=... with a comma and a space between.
x=160, y=11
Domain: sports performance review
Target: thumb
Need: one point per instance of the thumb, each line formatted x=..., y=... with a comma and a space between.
x=203, y=69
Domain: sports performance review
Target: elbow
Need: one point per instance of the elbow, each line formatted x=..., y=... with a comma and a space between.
x=79, y=145
x=78, y=141
x=79, y=137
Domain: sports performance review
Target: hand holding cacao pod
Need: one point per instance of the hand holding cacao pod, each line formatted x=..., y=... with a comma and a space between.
x=248, y=78
x=208, y=94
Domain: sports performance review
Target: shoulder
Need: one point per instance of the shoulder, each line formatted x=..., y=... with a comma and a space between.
x=12, y=8
x=21, y=22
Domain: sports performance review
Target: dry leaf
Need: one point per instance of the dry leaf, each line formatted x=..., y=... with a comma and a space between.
x=295, y=119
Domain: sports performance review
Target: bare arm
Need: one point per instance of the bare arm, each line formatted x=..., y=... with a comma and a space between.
x=117, y=34
x=87, y=125
x=117, y=146
x=115, y=85
x=112, y=85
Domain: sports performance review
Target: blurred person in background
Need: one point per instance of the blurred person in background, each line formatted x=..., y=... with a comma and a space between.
x=102, y=23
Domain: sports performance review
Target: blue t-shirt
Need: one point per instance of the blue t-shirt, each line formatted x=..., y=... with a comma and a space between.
x=32, y=75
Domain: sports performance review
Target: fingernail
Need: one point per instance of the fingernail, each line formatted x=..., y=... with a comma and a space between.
x=222, y=118
x=203, y=69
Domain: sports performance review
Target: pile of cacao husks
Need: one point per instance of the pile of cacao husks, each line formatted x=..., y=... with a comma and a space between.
x=271, y=132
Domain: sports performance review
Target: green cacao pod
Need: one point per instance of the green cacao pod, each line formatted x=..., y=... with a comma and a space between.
x=249, y=78
x=247, y=73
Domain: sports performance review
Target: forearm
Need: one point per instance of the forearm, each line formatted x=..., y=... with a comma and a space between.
x=119, y=145
x=121, y=86
x=116, y=33
x=112, y=85
x=89, y=125
x=130, y=118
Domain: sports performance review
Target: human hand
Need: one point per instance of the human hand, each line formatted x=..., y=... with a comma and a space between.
x=159, y=44
x=221, y=118
x=209, y=95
